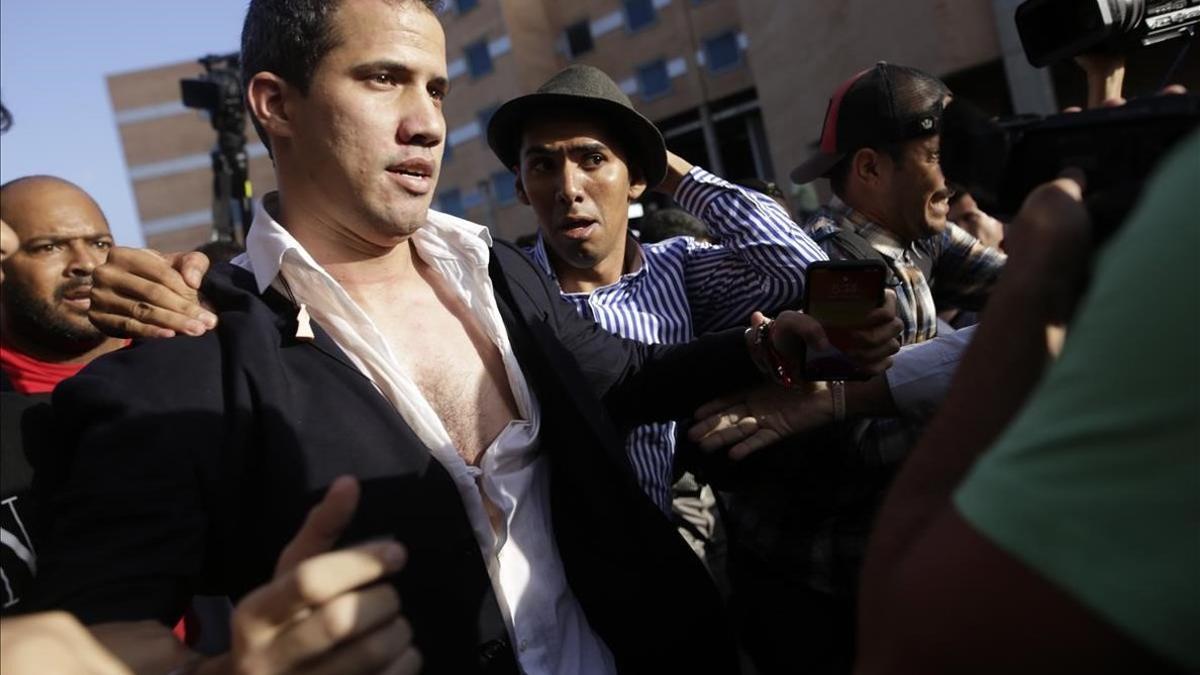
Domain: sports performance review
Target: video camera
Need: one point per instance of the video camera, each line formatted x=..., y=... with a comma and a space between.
x=219, y=92
x=1052, y=30
x=1000, y=161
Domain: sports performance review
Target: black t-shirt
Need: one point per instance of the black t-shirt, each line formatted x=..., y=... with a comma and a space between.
x=23, y=422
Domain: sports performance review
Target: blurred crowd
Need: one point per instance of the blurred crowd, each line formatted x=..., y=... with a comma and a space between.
x=375, y=439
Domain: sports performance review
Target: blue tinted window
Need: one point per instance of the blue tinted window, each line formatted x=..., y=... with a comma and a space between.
x=639, y=14
x=451, y=202
x=479, y=61
x=484, y=116
x=653, y=80
x=722, y=52
x=504, y=187
x=579, y=38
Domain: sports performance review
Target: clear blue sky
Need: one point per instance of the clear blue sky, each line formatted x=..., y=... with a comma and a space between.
x=54, y=56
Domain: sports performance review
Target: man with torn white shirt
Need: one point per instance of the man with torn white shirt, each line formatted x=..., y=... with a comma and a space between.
x=364, y=335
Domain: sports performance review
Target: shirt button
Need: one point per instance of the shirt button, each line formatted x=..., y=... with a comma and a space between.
x=523, y=646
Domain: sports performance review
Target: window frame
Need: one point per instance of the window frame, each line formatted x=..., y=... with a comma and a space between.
x=644, y=67
x=487, y=54
x=739, y=53
x=650, y=23
x=458, y=197
x=510, y=192
x=586, y=24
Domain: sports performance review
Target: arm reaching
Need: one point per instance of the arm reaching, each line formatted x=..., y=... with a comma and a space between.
x=753, y=419
x=871, y=343
x=54, y=642
x=326, y=611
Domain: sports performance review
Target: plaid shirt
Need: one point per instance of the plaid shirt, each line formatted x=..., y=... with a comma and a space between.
x=963, y=269
x=808, y=505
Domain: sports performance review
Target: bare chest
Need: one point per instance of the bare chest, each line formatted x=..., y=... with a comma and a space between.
x=460, y=372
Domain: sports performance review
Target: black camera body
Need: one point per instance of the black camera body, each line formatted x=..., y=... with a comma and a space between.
x=219, y=92
x=999, y=161
x=1052, y=30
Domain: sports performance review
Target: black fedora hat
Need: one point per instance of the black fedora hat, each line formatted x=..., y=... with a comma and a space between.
x=588, y=91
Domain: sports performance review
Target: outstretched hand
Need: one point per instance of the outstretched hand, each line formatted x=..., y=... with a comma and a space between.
x=755, y=418
x=145, y=294
x=325, y=611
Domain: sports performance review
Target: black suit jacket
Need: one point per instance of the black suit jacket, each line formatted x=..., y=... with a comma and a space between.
x=187, y=464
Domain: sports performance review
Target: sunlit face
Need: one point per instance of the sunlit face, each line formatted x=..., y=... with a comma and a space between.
x=578, y=182
x=48, y=278
x=915, y=191
x=367, y=137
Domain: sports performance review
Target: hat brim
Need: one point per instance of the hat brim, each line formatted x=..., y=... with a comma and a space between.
x=642, y=141
x=815, y=167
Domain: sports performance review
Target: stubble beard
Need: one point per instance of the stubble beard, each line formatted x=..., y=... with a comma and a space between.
x=46, y=325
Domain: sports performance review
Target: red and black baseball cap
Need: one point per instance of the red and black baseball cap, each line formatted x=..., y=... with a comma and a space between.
x=882, y=104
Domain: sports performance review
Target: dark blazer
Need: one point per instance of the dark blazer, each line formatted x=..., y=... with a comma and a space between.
x=187, y=464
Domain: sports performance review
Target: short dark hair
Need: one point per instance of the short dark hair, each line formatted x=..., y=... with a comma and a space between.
x=289, y=38
x=759, y=185
x=662, y=224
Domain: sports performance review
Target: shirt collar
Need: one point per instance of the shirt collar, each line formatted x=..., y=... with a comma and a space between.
x=442, y=236
x=542, y=258
x=880, y=238
x=635, y=260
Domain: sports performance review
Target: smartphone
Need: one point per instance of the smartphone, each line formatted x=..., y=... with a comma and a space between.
x=840, y=294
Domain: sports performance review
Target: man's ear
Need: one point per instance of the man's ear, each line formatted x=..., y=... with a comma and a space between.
x=521, y=196
x=267, y=96
x=867, y=166
x=637, y=183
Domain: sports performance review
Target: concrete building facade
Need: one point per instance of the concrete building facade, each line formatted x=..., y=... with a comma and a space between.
x=670, y=56
x=739, y=86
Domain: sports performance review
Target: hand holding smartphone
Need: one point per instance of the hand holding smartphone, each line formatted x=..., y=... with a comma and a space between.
x=840, y=294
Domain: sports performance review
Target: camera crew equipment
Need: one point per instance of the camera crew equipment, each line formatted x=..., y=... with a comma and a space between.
x=1052, y=30
x=219, y=92
x=1000, y=161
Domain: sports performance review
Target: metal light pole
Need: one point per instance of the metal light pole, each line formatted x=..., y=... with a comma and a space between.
x=706, y=122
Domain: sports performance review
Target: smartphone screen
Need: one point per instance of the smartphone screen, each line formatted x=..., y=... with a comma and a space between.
x=840, y=294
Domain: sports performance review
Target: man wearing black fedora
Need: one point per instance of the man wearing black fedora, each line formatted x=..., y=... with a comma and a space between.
x=581, y=154
x=363, y=334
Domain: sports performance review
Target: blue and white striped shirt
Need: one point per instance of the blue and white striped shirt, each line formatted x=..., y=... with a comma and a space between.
x=684, y=288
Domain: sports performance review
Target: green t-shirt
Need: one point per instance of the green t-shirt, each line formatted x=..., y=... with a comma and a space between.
x=1096, y=485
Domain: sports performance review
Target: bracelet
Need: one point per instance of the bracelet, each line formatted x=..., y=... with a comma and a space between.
x=837, y=390
x=767, y=357
x=754, y=337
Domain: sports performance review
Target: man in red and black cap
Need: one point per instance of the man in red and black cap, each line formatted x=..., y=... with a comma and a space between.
x=799, y=522
x=880, y=151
